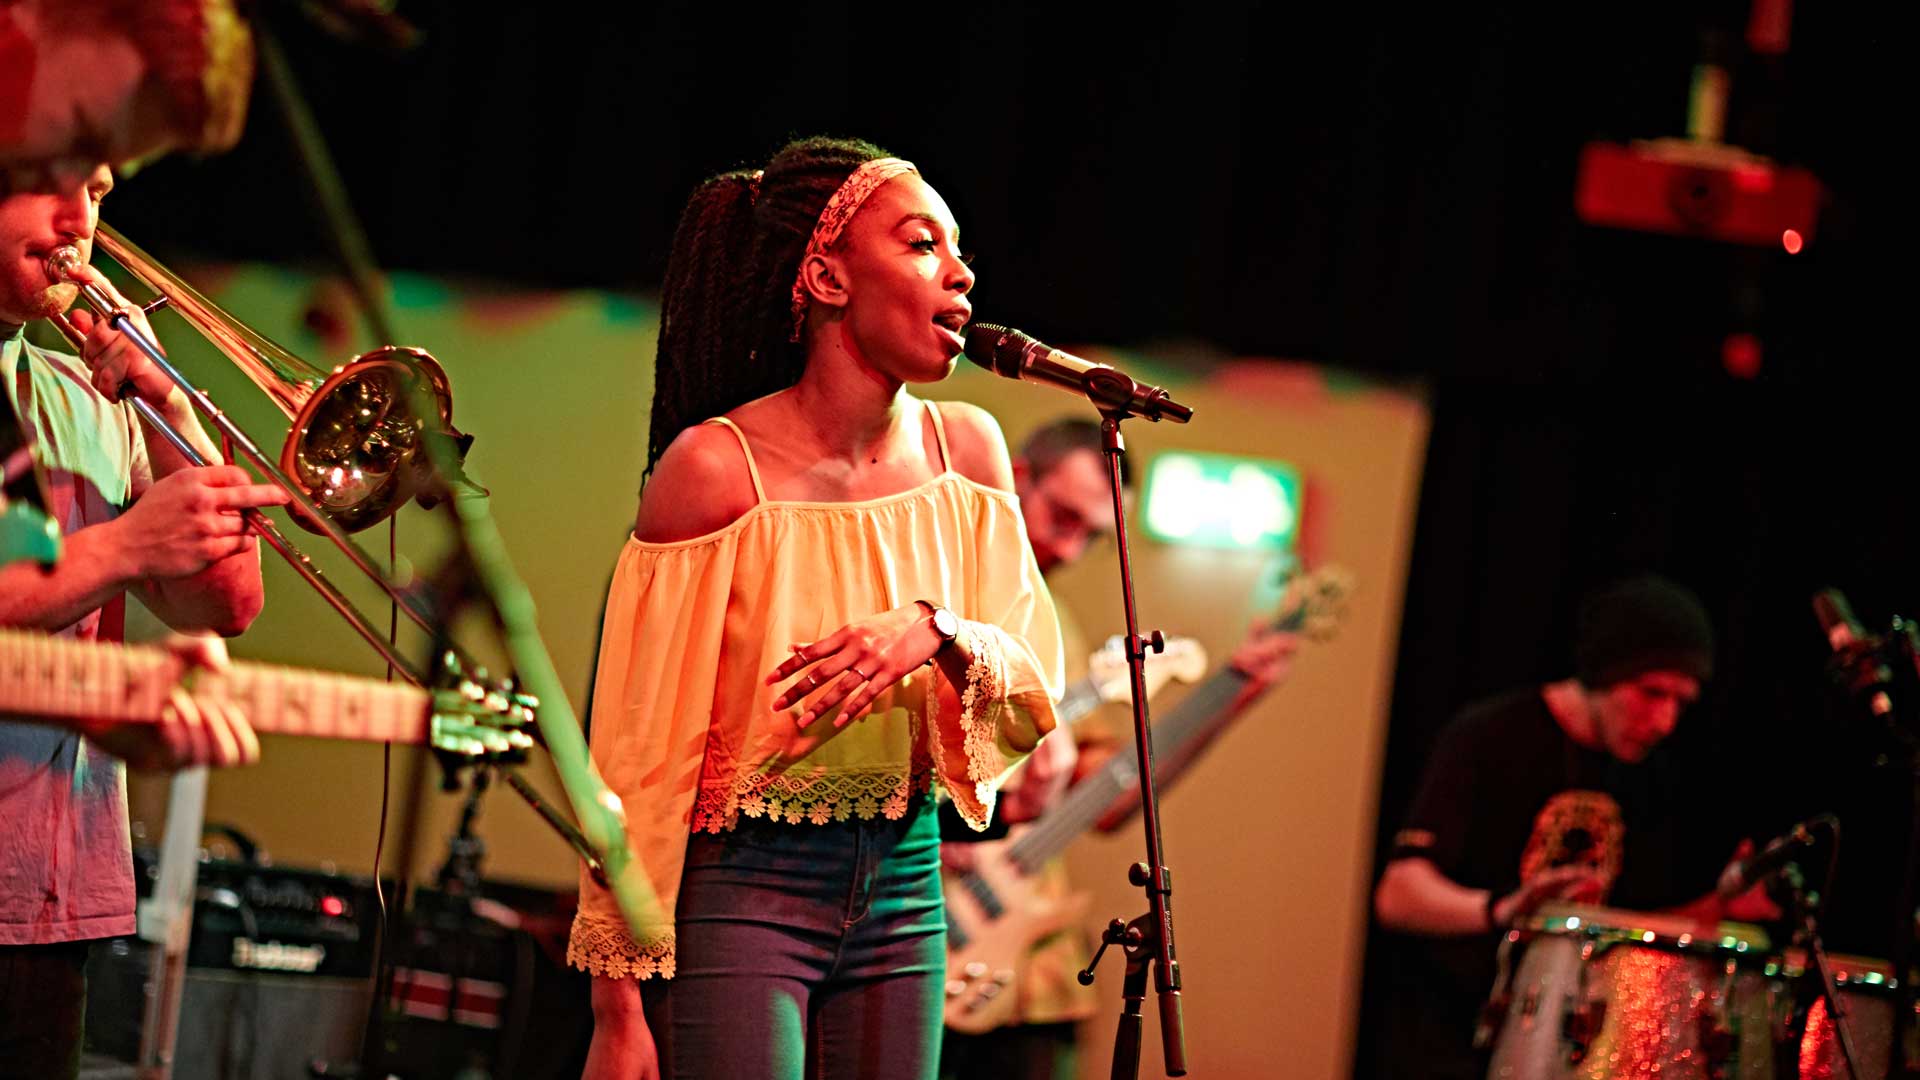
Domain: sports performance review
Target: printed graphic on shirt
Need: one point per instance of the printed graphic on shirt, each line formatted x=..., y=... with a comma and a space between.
x=1577, y=828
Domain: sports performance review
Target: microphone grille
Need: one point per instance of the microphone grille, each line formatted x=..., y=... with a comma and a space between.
x=1830, y=607
x=983, y=341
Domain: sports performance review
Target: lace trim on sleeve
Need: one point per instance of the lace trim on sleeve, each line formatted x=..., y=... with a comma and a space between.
x=605, y=947
x=980, y=703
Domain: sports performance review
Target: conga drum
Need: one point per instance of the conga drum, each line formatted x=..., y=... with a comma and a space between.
x=1870, y=994
x=1601, y=994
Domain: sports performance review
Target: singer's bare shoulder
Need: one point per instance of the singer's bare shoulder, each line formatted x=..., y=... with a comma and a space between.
x=701, y=485
x=978, y=446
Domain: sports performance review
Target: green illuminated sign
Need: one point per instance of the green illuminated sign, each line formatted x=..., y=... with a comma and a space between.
x=1215, y=500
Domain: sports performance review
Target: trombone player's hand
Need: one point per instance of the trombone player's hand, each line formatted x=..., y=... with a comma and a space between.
x=116, y=361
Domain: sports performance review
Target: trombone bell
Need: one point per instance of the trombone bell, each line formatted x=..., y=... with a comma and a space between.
x=356, y=447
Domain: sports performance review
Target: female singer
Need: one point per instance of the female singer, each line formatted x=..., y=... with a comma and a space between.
x=828, y=606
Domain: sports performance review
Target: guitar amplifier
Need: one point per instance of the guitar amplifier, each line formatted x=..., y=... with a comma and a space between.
x=279, y=981
x=279, y=973
x=253, y=917
x=480, y=986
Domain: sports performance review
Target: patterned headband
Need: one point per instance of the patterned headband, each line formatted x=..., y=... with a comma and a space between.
x=833, y=220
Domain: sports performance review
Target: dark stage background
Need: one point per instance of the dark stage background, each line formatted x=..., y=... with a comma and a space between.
x=1376, y=189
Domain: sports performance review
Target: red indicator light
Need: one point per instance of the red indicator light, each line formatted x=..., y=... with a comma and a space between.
x=332, y=905
x=1792, y=242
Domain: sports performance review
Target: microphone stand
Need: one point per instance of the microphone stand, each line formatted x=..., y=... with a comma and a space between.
x=1147, y=941
x=1901, y=645
x=1900, y=652
x=1806, y=934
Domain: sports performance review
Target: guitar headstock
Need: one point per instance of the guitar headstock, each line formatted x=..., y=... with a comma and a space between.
x=1315, y=603
x=480, y=721
x=1184, y=659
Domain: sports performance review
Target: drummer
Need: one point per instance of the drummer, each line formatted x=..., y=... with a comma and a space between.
x=1546, y=792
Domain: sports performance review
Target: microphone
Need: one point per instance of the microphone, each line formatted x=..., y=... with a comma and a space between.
x=363, y=22
x=1770, y=860
x=1017, y=356
x=1853, y=649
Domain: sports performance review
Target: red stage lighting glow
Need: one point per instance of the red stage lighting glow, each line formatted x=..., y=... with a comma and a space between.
x=1791, y=241
x=332, y=905
x=1740, y=355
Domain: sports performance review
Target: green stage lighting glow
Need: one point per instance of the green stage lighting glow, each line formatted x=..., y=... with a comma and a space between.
x=1216, y=500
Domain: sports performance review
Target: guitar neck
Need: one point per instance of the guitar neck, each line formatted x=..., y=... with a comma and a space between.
x=54, y=677
x=1177, y=739
x=1089, y=798
x=1080, y=699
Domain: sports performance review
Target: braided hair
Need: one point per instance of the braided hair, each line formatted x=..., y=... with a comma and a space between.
x=725, y=315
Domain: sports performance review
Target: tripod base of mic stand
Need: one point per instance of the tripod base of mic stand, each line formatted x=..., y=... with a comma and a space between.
x=1806, y=911
x=1139, y=942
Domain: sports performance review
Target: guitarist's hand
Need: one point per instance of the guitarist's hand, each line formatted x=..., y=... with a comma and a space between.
x=1265, y=656
x=198, y=725
x=1041, y=780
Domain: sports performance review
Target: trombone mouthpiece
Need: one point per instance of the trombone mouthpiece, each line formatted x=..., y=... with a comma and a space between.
x=64, y=263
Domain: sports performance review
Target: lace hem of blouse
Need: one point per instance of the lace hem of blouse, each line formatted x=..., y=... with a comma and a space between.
x=607, y=947
x=817, y=799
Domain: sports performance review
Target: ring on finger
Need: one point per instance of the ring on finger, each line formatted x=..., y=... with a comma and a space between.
x=813, y=681
x=864, y=677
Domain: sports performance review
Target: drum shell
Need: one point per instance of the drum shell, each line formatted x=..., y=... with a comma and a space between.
x=1603, y=994
x=1870, y=995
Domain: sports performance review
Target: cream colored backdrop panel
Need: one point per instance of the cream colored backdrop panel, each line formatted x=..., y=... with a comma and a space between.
x=1270, y=834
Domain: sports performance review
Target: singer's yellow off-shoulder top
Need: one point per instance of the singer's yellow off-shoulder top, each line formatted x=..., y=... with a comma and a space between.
x=683, y=728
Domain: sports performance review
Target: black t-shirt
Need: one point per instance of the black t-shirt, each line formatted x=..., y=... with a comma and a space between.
x=1506, y=787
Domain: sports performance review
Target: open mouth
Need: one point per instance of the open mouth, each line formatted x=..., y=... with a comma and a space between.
x=953, y=323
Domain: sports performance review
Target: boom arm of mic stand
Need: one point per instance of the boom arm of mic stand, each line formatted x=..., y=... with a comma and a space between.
x=603, y=821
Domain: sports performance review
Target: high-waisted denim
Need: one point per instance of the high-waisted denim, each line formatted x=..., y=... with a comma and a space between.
x=807, y=950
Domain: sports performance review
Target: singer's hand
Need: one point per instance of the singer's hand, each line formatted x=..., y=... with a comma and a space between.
x=856, y=663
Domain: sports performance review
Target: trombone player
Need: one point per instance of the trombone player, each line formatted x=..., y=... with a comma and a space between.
x=138, y=517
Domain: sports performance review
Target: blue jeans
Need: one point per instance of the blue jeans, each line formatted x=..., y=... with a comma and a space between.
x=807, y=950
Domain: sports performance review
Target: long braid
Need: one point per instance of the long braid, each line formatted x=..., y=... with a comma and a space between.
x=724, y=304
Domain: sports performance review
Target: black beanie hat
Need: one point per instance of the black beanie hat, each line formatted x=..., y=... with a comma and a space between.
x=1641, y=624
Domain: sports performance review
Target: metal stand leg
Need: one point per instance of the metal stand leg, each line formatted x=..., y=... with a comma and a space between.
x=166, y=921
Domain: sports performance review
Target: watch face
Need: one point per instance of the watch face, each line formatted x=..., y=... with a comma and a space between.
x=945, y=623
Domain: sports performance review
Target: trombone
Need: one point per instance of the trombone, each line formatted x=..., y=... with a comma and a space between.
x=355, y=454
x=357, y=451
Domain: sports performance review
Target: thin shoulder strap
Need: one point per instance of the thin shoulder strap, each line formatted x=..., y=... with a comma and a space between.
x=759, y=493
x=940, y=436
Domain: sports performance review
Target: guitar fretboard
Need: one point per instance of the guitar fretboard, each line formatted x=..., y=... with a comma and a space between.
x=1080, y=699
x=1173, y=737
x=42, y=675
x=1088, y=799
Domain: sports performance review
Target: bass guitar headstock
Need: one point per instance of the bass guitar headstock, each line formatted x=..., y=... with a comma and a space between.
x=1314, y=604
